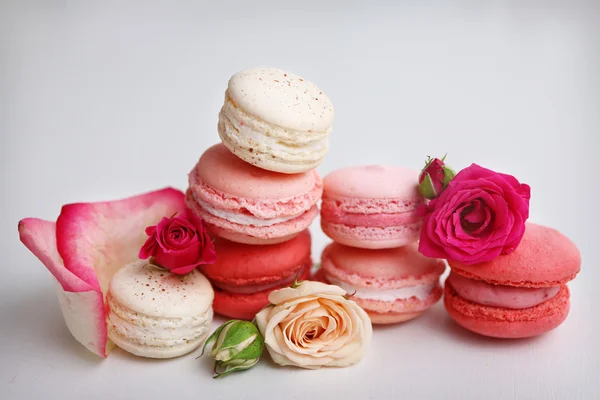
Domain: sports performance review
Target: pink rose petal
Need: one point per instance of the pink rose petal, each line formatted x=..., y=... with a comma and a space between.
x=88, y=243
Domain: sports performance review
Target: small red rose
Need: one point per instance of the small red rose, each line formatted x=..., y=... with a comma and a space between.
x=179, y=244
x=480, y=215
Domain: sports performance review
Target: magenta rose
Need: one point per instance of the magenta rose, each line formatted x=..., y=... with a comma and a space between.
x=179, y=244
x=480, y=215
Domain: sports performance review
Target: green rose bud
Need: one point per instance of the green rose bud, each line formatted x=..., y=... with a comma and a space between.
x=434, y=177
x=236, y=346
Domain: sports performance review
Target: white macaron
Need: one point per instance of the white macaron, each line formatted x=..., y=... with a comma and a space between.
x=154, y=313
x=276, y=120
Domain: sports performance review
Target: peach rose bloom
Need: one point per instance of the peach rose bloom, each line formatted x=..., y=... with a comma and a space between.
x=313, y=325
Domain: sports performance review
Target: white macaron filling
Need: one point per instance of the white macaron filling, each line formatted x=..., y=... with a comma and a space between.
x=242, y=219
x=259, y=136
x=421, y=292
x=145, y=330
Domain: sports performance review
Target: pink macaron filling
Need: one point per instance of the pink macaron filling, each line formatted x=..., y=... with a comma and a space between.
x=255, y=288
x=337, y=215
x=500, y=295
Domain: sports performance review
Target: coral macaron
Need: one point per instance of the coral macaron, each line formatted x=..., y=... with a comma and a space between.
x=275, y=120
x=521, y=294
x=391, y=285
x=246, y=204
x=371, y=207
x=244, y=275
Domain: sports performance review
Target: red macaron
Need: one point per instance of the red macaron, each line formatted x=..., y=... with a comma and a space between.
x=521, y=294
x=245, y=274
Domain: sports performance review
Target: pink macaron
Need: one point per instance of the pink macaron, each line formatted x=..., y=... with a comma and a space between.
x=371, y=207
x=246, y=204
x=244, y=275
x=391, y=285
x=521, y=294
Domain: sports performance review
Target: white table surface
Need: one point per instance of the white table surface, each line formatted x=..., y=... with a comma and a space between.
x=102, y=101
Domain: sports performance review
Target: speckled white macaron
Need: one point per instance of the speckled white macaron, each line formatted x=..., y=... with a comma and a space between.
x=154, y=313
x=276, y=120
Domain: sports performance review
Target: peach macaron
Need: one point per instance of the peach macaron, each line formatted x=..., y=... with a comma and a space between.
x=246, y=204
x=372, y=207
x=391, y=285
x=521, y=294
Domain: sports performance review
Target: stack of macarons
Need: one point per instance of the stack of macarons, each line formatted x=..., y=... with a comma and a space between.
x=521, y=294
x=258, y=191
x=371, y=213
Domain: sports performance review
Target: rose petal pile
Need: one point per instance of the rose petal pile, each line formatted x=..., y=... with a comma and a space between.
x=480, y=215
x=312, y=325
x=179, y=244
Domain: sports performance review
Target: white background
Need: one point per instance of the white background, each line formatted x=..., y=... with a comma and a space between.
x=105, y=100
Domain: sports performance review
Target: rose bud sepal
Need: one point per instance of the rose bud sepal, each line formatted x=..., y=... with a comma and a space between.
x=236, y=345
x=434, y=177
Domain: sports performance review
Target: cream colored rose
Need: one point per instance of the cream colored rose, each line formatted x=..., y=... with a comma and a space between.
x=314, y=325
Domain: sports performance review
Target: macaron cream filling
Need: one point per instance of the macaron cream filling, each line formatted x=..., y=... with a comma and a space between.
x=306, y=189
x=337, y=215
x=502, y=296
x=262, y=137
x=420, y=292
x=242, y=219
x=151, y=331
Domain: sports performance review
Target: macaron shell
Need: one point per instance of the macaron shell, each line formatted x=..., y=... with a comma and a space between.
x=392, y=318
x=281, y=98
x=228, y=174
x=508, y=323
x=251, y=234
x=371, y=237
x=241, y=264
x=262, y=207
x=385, y=269
x=245, y=239
x=245, y=306
x=545, y=257
x=275, y=162
x=148, y=290
x=373, y=182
